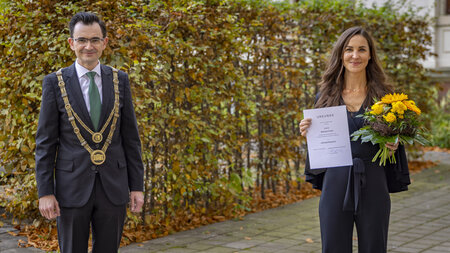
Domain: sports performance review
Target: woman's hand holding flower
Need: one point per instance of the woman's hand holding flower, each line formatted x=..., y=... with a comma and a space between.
x=392, y=146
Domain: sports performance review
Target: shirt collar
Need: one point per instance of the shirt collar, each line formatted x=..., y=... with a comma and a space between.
x=81, y=71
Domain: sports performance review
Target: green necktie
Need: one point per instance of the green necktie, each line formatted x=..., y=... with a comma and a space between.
x=94, y=100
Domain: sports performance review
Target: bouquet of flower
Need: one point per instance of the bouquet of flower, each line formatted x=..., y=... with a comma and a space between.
x=393, y=119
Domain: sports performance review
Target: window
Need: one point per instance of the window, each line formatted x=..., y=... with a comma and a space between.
x=448, y=7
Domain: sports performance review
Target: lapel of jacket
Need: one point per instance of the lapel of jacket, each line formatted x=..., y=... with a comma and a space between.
x=76, y=95
x=107, y=93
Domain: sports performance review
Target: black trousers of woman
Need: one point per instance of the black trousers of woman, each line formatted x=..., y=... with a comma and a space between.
x=371, y=215
x=358, y=196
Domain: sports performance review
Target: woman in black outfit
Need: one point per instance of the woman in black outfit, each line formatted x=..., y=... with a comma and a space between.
x=357, y=194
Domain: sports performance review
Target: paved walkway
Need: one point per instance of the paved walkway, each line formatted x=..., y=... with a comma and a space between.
x=420, y=222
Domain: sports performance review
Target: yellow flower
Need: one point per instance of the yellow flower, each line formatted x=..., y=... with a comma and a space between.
x=390, y=117
x=377, y=109
x=390, y=98
x=400, y=116
x=412, y=106
x=399, y=107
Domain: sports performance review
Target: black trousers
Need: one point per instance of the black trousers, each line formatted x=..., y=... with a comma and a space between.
x=371, y=217
x=106, y=219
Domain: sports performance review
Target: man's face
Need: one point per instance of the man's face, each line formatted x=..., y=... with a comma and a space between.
x=88, y=44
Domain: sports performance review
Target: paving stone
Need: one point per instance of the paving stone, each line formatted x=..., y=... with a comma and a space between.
x=219, y=250
x=278, y=234
x=441, y=249
x=243, y=244
x=290, y=250
x=408, y=250
x=274, y=246
x=428, y=242
x=6, y=229
x=137, y=249
x=446, y=244
x=199, y=246
x=253, y=250
x=416, y=245
x=310, y=247
x=263, y=238
x=179, y=250
x=241, y=234
x=287, y=241
x=221, y=239
x=259, y=249
x=402, y=238
x=8, y=242
x=21, y=250
x=393, y=243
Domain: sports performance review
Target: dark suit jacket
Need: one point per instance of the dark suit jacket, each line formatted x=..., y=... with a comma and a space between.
x=63, y=166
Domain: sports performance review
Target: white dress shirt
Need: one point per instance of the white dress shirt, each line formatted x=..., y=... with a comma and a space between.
x=84, y=82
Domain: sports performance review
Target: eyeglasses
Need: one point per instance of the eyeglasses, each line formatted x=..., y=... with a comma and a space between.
x=94, y=41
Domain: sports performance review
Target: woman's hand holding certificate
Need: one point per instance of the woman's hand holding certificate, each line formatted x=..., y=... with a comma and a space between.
x=327, y=137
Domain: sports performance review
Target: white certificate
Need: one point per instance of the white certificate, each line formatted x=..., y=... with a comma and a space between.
x=328, y=137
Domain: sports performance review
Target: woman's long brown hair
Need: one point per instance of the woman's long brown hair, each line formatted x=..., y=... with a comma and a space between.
x=332, y=83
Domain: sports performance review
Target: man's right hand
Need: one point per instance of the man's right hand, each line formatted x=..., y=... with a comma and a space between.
x=48, y=206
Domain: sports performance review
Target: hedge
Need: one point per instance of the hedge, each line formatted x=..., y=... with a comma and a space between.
x=219, y=88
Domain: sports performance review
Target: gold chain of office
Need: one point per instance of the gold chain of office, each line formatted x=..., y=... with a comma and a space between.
x=98, y=156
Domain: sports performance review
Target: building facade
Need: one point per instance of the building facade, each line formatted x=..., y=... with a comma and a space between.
x=442, y=44
x=440, y=10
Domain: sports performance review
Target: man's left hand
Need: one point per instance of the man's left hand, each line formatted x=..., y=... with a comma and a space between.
x=136, y=201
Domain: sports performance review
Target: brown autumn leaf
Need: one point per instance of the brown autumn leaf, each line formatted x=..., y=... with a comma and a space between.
x=219, y=217
x=12, y=233
x=309, y=240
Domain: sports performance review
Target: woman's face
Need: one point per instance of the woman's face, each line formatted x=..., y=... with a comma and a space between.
x=356, y=54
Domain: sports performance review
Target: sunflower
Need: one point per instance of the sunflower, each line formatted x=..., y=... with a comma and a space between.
x=390, y=98
x=377, y=109
x=411, y=105
x=399, y=107
x=390, y=117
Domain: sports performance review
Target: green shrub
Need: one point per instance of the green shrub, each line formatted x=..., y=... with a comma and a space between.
x=440, y=124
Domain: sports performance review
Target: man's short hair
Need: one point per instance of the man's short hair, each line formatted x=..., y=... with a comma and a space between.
x=86, y=18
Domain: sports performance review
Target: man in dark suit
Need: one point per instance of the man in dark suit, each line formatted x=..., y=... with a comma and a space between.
x=88, y=151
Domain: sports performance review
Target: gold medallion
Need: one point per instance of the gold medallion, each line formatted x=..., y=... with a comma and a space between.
x=98, y=157
x=97, y=137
